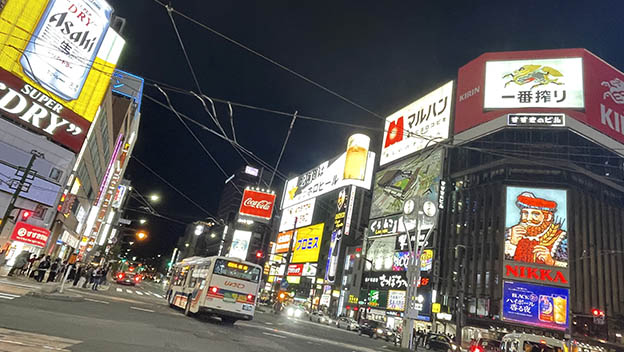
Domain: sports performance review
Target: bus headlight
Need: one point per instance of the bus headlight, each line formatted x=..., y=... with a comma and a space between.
x=297, y=313
x=290, y=312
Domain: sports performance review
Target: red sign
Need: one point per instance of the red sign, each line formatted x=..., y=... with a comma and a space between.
x=30, y=107
x=258, y=204
x=295, y=270
x=550, y=275
x=283, y=241
x=33, y=235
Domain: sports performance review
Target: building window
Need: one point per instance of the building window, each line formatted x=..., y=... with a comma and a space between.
x=56, y=174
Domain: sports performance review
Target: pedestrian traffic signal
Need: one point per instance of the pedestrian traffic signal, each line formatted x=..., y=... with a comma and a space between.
x=26, y=214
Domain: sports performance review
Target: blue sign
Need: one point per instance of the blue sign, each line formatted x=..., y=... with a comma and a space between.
x=129, y=85
x=541, y=306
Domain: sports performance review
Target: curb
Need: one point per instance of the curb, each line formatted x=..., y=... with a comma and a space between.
x=56, y=297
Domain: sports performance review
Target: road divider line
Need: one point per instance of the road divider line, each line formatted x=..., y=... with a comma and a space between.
x=274, y=335
x=142, y=309
x=96, y=301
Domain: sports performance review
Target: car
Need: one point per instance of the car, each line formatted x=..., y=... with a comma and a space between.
x=375, y=329
x=347, y=323
x=439, y=342
x=295, y=311
x=320, y=317
x=127, y=278
x=486, y=345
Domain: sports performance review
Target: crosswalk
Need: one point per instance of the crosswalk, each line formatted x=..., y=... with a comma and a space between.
x=8, y=296
x=139, y=293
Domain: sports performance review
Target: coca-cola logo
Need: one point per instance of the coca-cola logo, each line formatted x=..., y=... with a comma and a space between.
x=258, y=204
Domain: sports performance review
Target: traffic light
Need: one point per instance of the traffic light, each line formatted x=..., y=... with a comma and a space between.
x=599, y=316
x=282, y=295
x=259, y=254
x=26, y=214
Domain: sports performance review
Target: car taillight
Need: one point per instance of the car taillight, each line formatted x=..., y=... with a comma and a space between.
x=120, y=276
x=137, y=278
x=250, y=298
x=214, y=289
x=477, y=349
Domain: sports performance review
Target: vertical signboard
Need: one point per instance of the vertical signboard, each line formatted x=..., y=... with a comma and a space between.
x=240, y=244
x=336, y=235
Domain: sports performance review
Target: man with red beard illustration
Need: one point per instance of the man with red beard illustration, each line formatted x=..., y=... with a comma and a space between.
x=538, y=238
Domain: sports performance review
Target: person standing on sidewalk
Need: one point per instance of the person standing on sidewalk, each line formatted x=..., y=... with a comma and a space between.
x=77, y=273
x=42, y=268
x=54, y=268
x=97, y=276
x=33, y=271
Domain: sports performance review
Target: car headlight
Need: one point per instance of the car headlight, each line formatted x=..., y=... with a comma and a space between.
x=297, y=313
x=454, y=347
x=379, y=331
x=290, y=311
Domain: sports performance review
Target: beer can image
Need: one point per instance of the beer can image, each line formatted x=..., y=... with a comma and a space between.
x=546, y=309
x=357, y=154
x=560, y=304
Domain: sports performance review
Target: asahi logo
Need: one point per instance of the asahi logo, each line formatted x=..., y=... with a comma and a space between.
x=258, y=204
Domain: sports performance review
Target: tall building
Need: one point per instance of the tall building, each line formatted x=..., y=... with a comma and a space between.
x=232, y=193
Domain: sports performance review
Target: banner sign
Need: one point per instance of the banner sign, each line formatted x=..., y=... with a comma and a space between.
x=418, y=125
x=283, y=242
x=384, y=280
x=336, y=236
x=32, y=235
x=308, y=244
x=536, y=120
x=541, y=306
x=295, y=270
x=396, y=300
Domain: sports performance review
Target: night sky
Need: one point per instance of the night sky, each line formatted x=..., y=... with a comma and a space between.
x=380, y=54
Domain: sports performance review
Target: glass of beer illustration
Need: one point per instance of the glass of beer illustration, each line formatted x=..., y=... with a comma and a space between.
x=357, y=153
x=560, y=304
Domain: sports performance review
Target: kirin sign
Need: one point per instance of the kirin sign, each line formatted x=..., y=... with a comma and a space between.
x=257, y=204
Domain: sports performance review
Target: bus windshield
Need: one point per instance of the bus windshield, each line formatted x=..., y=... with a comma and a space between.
x=236, y=270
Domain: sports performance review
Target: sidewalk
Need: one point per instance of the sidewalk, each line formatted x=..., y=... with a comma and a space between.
x=50, y=290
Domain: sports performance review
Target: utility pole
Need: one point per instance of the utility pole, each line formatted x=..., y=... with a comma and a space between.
x=18, y=190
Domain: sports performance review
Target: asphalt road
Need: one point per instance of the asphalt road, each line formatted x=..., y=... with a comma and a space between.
x=126, y=318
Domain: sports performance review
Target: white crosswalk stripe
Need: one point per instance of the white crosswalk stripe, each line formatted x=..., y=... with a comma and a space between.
x=139, y=293
x=8, y=296
x=130, y=292
x=157, y=295
x=119, y=290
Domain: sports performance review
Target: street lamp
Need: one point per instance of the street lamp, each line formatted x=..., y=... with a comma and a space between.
x=142, y=221
x=154, y=197
x=141, y=235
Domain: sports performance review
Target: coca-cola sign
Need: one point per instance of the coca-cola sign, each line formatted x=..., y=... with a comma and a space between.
x=33, y=235
x=257, y=204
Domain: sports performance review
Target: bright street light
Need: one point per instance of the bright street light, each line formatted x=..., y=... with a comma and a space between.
x=154, y=197
x=141, y=235
x=142, y=221
x=131, y=243
x=213, y=235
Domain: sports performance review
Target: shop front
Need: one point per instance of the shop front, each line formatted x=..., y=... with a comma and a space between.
x=25, y=237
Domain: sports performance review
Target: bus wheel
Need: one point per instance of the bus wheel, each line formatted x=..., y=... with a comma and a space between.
x=187, y=309
x=228, y=320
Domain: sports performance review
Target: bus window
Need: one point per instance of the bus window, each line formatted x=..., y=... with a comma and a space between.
x=236, y=270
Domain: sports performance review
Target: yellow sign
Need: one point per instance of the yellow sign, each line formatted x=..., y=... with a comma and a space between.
x=293, y=279
x=76, y=75
x=271, y=278
x=353, y=299
x=308, y=244
x=435, y=308
x=237, y=266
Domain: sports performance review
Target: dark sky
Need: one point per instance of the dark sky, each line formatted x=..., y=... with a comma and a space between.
x=380, y=54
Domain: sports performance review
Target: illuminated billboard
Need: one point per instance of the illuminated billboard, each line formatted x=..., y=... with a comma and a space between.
x=302, y=212
x=342, y=171
x=542, y=306
x=257, y=204
x=240, y=244
x=56, y=61
x=283, y=242
x=396, y=300
x=536, y=237
x=533, y=83
x=418, y=125
x=417, y=176
x=308, y=244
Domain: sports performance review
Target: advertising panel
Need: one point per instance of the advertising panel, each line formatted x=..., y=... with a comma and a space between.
x=418, y=176
x=377, y=299
x=37, y=189
x=283, y=242
x=420, y=124
x=384, y=280
x=119, y=196
x=257, y=204
x=541, y=306
x=303, y=212
x=32, y=235
x=536, y=237
x=56, y=62
x=336, y=235
x=128, y=85
x=423, y=304
x=327, y=177
x=547, y=83
x=295, y=270
x=396, y=300
x=240, y=244
x=380, y=254
x=306, y=248
x=309, y=269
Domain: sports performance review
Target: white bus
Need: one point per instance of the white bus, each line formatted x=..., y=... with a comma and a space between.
x=220, y=286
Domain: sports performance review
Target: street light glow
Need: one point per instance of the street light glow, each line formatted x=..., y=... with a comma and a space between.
x=141, y=235
x=142, y=221
x=154, y=197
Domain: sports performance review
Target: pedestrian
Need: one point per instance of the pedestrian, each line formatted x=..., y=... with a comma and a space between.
x=96, y=278
x=34, y=267
x=103, y=276
x=77, y=273
x=43, y=267
x=88, y=275
x=20, y=262
x=54, y=268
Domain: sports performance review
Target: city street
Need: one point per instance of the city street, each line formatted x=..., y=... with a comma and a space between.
x=127, y=318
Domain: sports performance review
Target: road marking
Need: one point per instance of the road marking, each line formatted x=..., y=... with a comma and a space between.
x=274, y=335
x=96, y=301
x=119, y=290
x=142, y=309
x=139, y=293
x=128, y=291
x=157, y=295
x=268, y=323
x=8, y=296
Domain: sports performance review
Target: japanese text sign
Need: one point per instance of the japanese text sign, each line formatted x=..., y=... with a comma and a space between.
x=308, y=244
x=536, y=305
x=33, y=235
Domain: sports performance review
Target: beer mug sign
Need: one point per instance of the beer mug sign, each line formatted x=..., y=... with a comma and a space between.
x=357, y=154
